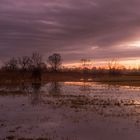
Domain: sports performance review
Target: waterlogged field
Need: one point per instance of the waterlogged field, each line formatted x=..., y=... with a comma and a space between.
x=69, y=111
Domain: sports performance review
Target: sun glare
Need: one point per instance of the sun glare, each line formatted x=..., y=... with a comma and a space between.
x=135, y=44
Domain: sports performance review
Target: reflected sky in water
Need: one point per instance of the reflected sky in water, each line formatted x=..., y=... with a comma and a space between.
x=87, y=89
x=67, y=109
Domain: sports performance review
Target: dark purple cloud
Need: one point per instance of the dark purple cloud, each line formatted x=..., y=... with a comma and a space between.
x=75, y=28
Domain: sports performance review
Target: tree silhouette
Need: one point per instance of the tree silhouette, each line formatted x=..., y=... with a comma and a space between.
x=11, y=65
x=85, y=64
x=24, y=63
x=36, y=66
x=55, y=61
x=36, y=59
x=114, y=67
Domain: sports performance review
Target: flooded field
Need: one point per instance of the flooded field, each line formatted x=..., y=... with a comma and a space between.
x=69, y=111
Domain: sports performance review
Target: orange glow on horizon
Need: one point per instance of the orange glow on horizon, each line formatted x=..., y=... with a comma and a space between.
x=129, y=64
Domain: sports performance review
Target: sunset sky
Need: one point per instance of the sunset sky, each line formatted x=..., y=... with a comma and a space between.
x=99, y=30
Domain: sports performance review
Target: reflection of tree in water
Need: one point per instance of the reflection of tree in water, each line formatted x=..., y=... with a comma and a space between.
x=35, y=95
x=25, y=88
x=18, y=89
x=113, y=88
x=30, y=90
x=85, y=87
x=55, y=89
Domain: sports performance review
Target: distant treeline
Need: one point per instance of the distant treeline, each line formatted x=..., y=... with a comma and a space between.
x=35, y=61
x=37, y=65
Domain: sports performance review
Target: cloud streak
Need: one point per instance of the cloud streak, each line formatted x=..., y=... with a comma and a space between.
x=76, y=28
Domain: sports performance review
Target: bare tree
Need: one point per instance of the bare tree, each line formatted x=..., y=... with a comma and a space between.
x=55, y=61
x=24, y=62
x=24, y=65
x=85, y=64
x=55, y=89
x=36, y=59
x=114, y=67
x=36, y=66
x=12, y=64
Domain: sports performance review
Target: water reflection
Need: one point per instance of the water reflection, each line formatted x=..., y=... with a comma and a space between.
x=69, y=111
x=85, y=87
x=55, y=89
x=25, y=88
x=36, y=94
x=37, y=91
x=113, y=87
x=14, y=89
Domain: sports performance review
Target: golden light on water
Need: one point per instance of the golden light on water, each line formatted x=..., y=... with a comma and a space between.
x=79, y=83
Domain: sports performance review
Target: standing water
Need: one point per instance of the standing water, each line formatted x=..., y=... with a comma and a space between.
x=70, y=111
